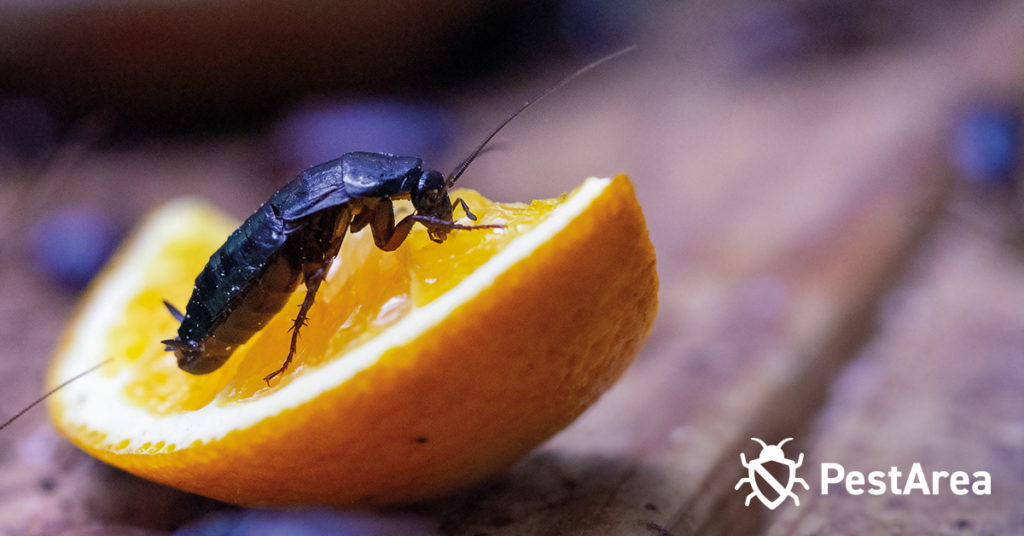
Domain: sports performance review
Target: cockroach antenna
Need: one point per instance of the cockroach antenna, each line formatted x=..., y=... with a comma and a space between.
x=51, y=391
x=454, y=176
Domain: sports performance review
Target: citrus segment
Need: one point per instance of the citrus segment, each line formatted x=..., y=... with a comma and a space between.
x=421, y=370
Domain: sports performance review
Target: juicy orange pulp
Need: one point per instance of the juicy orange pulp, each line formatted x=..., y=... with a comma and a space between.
x=367, y=291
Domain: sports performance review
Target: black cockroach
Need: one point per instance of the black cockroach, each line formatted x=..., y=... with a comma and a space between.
x=296, y=234
x=294, y=237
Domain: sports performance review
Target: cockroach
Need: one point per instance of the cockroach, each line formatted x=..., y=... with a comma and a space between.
x=295, y=235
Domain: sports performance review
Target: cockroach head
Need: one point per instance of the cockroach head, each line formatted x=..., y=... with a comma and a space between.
x=191, y=357
x=430, y=197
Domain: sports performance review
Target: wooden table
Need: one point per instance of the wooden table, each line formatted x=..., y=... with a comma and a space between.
x=815, y=284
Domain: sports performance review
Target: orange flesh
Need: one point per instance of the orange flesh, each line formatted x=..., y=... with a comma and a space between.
x=368, y=291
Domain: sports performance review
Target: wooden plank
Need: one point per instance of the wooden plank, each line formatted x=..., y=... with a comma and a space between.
x=941, y=387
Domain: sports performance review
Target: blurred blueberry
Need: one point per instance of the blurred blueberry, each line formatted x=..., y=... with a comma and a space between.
x=70, y=245
x=987, y=143
x=323, y=131
x=305, y=523
x=27, y=129
x=596, y=27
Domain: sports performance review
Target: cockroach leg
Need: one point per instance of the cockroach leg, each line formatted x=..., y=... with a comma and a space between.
x=387, y=235
x=361, y=219
x=313, y=281
x=436, y=223
x=465, y=207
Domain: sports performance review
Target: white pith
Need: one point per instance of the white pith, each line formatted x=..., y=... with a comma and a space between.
x=96, y=401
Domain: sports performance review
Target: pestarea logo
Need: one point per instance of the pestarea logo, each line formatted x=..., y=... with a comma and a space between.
x=772, y=479
x=771, y=454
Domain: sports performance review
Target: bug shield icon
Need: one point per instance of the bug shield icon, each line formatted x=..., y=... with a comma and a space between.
x=761, y=473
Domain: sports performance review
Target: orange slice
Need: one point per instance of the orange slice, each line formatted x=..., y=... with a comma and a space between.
x=422, y=370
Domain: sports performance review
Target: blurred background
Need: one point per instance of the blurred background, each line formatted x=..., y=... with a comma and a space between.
x=819, y=178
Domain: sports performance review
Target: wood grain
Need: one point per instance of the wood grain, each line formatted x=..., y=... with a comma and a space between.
x=940, y=386
x=783, y=211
